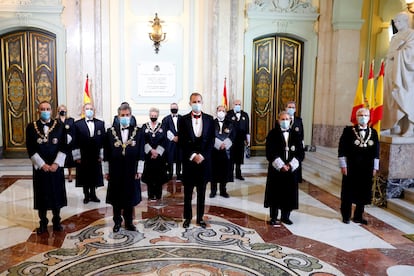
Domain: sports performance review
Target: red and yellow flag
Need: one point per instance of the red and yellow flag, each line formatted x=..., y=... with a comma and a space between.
x=224, y=98
x=86, y=95
x=359, y=96
x=376, y=115
x=369, y=92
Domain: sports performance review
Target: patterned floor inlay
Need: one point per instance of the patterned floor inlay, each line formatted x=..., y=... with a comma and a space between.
x=161, y=246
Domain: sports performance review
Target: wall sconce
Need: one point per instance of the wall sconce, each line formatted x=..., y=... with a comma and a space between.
x=410, y=5
x=157, y=35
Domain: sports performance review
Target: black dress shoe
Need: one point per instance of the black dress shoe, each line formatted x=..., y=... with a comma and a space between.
x=286, y=221
x=41, y=230
x=346, y=221
x=57, y=227
x=361, y=221
x=85, y=200
x=202, y=224
x=186, y=223
x=224, y=194
x=130, y=227
x=212, y=195
x=273, y=222
x=95, y=199
x=240, y=177
x=116, y=228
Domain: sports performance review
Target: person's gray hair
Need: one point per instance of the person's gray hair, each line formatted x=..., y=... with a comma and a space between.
x=283, y=112
x=362, y=109
x=124, y=106
x=154, y=109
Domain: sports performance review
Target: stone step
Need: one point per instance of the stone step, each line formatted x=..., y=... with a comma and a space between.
x=409, y=194
x=402, y=207
x=15, y=165
x=327, y=185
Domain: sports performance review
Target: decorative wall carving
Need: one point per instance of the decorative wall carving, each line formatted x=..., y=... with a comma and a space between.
x=283, y=6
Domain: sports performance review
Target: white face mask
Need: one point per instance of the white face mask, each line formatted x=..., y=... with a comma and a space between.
x=363, y=120
x=221, y=115
x=291, y=111
x=284, y=124
x=89, y=113
x=196, y=107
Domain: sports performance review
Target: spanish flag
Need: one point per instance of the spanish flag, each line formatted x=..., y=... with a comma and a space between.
x=376, y=115
x=359, y=96
x=86, y=95
x=224, y=98
x=369, y=92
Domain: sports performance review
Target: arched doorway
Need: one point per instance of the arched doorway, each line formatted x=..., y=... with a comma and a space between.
x=28, y=77
x=276, y=80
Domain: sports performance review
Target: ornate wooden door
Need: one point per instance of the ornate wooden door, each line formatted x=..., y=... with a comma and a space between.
x=28, y=78
x=277, y=74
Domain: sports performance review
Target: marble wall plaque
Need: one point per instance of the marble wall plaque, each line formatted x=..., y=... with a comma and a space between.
x=156, y=79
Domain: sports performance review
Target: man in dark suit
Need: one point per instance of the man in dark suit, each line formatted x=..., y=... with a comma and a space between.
x=358, y=154
x=46, y=146
x=170, y=126
x=296, y=125
x=241, y=123
x=124, y=152
x=196, y=139
x=88, y=153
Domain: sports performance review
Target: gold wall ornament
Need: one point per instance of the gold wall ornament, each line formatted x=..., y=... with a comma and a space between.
x=157, y=35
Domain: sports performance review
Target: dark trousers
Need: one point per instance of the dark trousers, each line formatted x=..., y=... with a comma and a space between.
x=170, y=168
x=89, y=192
x=188, y=195
x=275, y=211
x=154, y=191
x=346, y=210
x=222, y=188
x=238, y=170
x=43, y=217
x=127, y=213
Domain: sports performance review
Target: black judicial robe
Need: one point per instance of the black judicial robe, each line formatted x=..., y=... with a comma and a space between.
x=155, y=170
x=69, y=125
x=242, y=127
x=222, y=160
x=282, y=187
x=123, y=189
x=173, y=150
x=357, y=184
x=48, y=187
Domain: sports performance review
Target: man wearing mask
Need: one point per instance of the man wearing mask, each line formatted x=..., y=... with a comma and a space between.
x=358, y=154
x=46, y=146
x=196, y=139
x=222, y=162
x=284, y=151
x=296, y=125
x=88, y=153
x=240, y=121
x=170, y=126
x=124, y=152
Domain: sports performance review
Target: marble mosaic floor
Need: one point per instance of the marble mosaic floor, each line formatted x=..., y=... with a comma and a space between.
x=237, y=241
